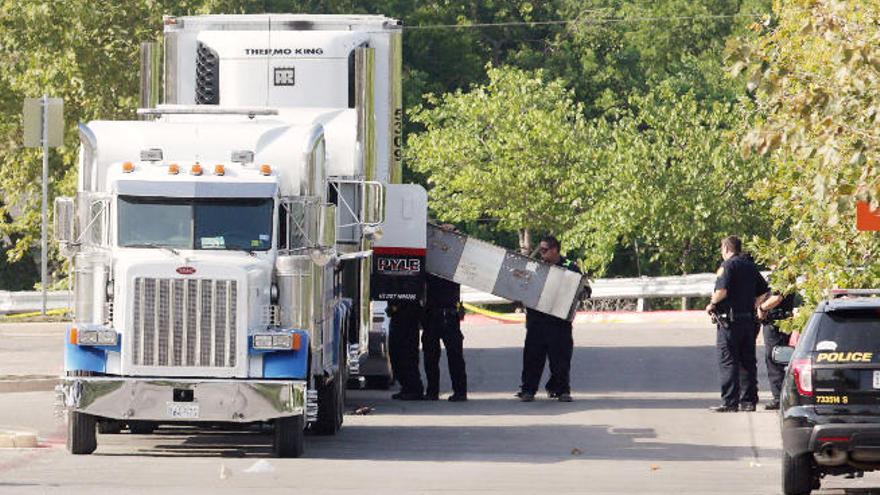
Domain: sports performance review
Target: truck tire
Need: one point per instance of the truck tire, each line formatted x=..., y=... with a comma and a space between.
x=288, y=437
x=109, y=427
x=799, y=477
x=328, y=422
x=82, y=438
x=342, y=391
x=142, y=427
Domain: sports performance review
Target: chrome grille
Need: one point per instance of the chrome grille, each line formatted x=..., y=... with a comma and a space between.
x=179, y=322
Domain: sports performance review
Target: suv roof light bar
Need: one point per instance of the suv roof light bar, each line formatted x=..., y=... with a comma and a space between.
x=835, y=293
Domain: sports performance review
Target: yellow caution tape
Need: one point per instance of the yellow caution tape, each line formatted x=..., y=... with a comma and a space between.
x=509, y=318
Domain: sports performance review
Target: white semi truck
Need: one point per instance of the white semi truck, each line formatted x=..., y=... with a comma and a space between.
x=232, y=249
x=222, y=245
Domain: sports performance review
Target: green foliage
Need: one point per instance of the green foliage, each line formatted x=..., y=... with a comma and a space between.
x=665, y=174
x=606, y=59
x=80, y=51
x=668, y=180
x=504, y=150
x=815, y=71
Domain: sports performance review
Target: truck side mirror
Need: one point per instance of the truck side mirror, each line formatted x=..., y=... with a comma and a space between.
x=782, y=354
x=64, y=223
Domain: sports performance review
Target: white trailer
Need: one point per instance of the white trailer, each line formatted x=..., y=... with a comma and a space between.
x=222, y=245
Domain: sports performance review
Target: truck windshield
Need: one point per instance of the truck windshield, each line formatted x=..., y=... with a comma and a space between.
x=195, y=223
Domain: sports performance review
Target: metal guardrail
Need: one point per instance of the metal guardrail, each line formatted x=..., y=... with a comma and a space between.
x=640, y=289
x=26, y=301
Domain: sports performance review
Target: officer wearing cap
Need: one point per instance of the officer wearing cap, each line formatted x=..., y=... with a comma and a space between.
x=738, y=288
x=548, y=338
x=770, y=311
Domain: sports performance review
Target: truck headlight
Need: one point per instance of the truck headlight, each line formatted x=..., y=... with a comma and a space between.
x=262, y=341
x=282, y=341
x=84, y=336
x=87, y=337
x=277, y=341
x=107, y=337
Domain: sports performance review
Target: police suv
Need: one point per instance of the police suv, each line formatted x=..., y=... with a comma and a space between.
x=830, y=405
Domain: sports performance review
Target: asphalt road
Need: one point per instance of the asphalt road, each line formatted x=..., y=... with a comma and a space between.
x=639, y=424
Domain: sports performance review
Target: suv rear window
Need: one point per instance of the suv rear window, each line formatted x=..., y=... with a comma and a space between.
x=848, y=330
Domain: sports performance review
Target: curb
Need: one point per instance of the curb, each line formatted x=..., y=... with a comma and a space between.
x=18, y=440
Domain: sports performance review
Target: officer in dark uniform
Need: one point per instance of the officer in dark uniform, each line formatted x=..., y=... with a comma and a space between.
x=403, y=347
x=737, y=289
x=548, y=338
x=775, y=308
x=443, y=313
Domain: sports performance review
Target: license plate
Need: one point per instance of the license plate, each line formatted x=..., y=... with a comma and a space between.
x=877, y=379
x=189, y=410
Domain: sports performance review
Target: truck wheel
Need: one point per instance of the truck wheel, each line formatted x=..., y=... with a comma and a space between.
x=328, y=422
x=81, y=434
x=109, y=427
x=799, y=477
x=142, y=427
x=378, y=382
x=288, y=438
x=342, y=390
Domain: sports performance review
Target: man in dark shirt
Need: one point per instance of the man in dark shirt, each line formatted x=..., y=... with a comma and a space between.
x=403, y=347
x=548, y=338
x=442, y=322
x=775, y=308
x=738, y=288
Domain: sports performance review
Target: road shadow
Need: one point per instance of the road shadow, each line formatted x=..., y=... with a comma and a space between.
x=532, y=444
x=848, y=491
x=189, y=442
x=527, y=444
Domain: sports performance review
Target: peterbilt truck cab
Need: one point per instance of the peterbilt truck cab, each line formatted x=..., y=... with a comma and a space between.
x=222, y=243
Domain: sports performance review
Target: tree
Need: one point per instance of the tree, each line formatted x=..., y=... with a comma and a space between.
x=504, y=150
x=814, y=70
x=669, y=183
x=83, y=52
x=616, y=48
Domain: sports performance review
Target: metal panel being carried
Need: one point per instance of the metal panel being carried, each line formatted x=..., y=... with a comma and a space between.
x=538, y=285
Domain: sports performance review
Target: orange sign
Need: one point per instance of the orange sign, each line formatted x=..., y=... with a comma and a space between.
x=867, y=219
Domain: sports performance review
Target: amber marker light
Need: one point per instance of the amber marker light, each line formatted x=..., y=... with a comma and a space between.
x=173, y=169
x=296, y=342
x=265, y=169
x=196, y=169
x=219, y=170
x=128, y=167
x=73, y=340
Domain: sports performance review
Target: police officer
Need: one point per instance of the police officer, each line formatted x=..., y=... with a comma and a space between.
x=773, y=309
x=548, y=338
x=403, y=347
x=442, y=322
x=737, y=289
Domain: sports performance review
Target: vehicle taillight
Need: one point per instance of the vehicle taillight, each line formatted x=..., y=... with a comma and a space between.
x=802, y=371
